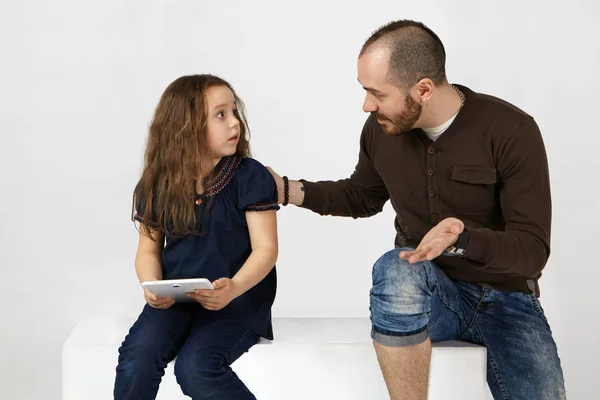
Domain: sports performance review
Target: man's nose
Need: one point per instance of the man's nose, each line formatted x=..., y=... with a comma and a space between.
x=369, y=105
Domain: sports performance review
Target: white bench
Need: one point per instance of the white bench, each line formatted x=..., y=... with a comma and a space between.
x=310, y=358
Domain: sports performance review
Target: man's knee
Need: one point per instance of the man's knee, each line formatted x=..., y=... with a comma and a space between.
x=400, y=300
x=397, y=279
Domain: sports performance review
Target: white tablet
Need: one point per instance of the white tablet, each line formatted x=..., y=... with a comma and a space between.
x=177, y=288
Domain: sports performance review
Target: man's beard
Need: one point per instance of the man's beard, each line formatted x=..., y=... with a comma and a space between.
x=404, y=122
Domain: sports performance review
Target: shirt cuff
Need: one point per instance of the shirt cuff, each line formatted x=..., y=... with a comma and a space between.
x=480, y=243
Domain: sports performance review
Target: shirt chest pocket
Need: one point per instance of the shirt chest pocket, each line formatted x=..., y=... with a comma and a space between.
x=474, y=190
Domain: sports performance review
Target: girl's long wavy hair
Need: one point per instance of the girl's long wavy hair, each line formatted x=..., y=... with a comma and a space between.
x=177, y=155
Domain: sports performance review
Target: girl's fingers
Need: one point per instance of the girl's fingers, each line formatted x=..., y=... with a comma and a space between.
x=149, y=295
x=166, y=305
x=160, y=302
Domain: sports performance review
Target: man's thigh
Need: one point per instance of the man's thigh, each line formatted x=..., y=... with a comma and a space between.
x=452, y=309
x=523, y=360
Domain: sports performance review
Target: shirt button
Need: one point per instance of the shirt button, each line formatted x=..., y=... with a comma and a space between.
x=430, y=172
x=431, y=150
x=431, y=192
x=434, y=216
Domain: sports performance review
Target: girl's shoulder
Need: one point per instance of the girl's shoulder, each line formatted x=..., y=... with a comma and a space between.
x=241, y=171
x=249, y=166
x=256, y=187
x=252, y=172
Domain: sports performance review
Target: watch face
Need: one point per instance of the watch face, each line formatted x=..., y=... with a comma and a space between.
x=456, y=250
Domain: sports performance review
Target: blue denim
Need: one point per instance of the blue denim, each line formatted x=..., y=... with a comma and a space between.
x=205, y=343
x=410, y=302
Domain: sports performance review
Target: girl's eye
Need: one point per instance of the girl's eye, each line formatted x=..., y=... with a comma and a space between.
x=220, y=114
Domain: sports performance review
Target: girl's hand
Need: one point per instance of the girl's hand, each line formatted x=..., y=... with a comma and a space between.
x=217, y=298
x=161, y=303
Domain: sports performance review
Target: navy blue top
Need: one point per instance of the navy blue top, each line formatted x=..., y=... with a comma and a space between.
x=239, y=185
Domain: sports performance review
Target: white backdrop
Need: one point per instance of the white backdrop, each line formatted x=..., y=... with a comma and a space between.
x=78, y=85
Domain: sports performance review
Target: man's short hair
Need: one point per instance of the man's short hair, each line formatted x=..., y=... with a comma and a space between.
x=417, y=52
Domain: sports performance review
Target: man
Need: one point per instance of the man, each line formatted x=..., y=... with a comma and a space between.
x=467, y=175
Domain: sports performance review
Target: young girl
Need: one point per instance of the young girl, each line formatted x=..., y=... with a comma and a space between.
x=206, y=210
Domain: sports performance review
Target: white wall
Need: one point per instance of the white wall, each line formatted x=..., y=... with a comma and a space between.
x=78, y=84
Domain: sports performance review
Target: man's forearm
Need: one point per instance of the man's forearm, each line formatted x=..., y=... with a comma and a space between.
x=509, y=252
x=296, y=193
x=342, y=198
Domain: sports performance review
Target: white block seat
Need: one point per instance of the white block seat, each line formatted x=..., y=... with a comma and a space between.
x=310, y=358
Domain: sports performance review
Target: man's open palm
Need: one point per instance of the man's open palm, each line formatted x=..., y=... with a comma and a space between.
x=438, y=239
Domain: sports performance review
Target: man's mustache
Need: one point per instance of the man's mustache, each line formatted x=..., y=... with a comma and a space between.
x=381, y=117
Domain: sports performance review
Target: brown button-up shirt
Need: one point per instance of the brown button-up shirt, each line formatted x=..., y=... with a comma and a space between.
x=488, y=169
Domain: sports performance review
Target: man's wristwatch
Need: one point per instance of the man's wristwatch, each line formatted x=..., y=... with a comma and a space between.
x=460, y=247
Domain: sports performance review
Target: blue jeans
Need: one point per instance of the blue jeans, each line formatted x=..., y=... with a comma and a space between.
x=411, y=302
x=205, y=343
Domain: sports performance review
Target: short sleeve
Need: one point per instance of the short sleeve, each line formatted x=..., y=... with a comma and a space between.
x=257, y=190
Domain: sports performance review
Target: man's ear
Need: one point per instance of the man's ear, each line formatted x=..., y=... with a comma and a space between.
x=424, y=90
